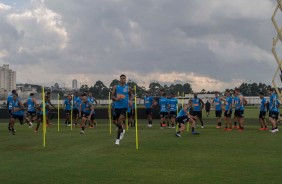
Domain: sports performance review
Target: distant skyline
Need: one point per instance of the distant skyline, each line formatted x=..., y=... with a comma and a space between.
x=211, y=44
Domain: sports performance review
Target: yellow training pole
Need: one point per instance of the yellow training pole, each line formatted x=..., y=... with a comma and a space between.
x=58, y=112
x=71, y=110
x=126, y=120
x=44, y=118
x=136, y=119
x=110, y=113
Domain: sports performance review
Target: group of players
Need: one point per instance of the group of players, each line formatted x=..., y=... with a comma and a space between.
x=84, y=107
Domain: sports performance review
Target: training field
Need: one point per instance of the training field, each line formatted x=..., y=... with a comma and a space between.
x=214, y=156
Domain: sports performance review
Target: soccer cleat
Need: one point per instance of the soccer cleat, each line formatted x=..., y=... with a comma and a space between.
x=235, y=127
x=30, y=125
x=262, y=129
x=91, y=126
x=177, y=135
x=195, y=133
x=150, y=125
x=35, y=131
x=202, y=126
x=82, y=132
x=173, y=127
x=218, y=127
x=121, y=136
x=265, y=128
x=117, y=142
x=69, y=124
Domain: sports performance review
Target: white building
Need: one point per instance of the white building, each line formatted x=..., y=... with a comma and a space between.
x=74, y=84
x=7, y=79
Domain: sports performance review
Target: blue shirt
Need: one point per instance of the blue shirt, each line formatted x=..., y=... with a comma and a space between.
x=16, y=105
x=86, y=107
x=273, y=103
x=122, y=91
x=30, y=105
x=182, y=113
x=173, y=104
x=163, y=103
x=217, y=103
x=75, y=102
x=262, y=104
x=41, y=108
x=148, y=101
x=67, y=104
x=196, y=104
x=78, y=102
x=236, y=101
x=10, y=102
x=228, y=103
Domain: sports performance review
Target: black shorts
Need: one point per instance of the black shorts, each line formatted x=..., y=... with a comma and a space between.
x=68, y=112
x=121, y=111
x=163, y=114
x=10, y=112
x=39, y=117
x=31, y=113
x=262, y=114
x=172, y=114
x=75, y=112
x=197, y=113
x=85, y=114
x=20, y=118
x=182, y=119
x=208, y=110
x=148, y=111
x=218, y=113
x=114, y=116
x=273, y=114
x=228, y=115
x=239, y=113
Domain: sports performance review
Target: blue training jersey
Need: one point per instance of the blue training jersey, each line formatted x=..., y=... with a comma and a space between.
x=16, y=105
x=236, y=102
x=182, y=113
x=30, y=105
x=67, y=104
x=86, y=107
x=148, y=102
x=262, y=104
x=163, y=103
x=173, y=104
x=10, y=102
x=217, y=104
x=123, y=93
x=228, y=103
x=196, y=104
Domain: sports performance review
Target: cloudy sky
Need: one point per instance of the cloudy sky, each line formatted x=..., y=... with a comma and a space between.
x=211, y=44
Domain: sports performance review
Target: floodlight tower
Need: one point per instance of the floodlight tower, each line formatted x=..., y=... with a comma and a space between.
x=275, y=41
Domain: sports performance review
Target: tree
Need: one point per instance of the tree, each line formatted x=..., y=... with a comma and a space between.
x=84, y=88
x=99, y=90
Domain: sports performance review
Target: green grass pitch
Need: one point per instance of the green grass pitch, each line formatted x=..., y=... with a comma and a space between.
x=214, y=156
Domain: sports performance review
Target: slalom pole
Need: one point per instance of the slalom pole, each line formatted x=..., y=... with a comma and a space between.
x=136, y=119
x=126, y=120
x=44, y=117
x=71, y=110
x=110, y=113
x=58, y=112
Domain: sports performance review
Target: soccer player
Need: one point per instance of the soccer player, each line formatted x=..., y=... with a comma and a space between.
x=183, y=117
x=163, y=104
x=262, y=112
x=236, y=104
x=9, y=107
x=120, y=95
x=86, y=111
x=172, y=109
x=198, y=106
x=48, y=99
x=93, y=122
x=76, y=104
x=240, y=107
x=208, y=108
x=148, y=100
x=40, y=114
x=67, y=104
x=31, y=109
x=114, y=117
x=218, y=108
x=228, y=110
x=273, y=110
x=17, y=112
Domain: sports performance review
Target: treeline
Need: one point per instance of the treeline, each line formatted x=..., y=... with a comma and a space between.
x=101, y=91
